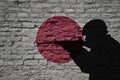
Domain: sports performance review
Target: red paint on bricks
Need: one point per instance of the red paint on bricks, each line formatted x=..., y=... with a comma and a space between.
x=57, y=28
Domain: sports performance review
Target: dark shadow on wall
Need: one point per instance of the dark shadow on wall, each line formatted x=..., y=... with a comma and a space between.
x=102, y=62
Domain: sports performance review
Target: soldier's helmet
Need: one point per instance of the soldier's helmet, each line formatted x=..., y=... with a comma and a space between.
x=95, y=27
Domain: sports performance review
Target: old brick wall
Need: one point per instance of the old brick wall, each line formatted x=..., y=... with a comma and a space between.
x=19, y=22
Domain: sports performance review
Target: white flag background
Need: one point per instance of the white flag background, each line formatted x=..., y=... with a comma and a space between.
x=19, y=22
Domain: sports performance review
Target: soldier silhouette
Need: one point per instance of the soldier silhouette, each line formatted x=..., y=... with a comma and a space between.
x=102, y=60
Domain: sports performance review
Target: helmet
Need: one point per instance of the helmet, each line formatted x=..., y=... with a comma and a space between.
x=95, y=27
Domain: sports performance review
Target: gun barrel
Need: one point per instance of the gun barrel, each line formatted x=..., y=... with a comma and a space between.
x=57, y=42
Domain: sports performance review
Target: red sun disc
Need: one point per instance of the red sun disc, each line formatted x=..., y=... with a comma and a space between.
x=57, y=28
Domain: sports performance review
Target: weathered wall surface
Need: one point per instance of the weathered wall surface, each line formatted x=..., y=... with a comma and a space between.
x=19, y=22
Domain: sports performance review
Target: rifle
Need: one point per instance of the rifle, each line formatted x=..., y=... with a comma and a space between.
x=71, y=46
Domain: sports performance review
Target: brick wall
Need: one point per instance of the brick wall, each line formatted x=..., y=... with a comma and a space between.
x=19, y=22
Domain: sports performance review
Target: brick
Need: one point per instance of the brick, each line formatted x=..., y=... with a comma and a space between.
x=112, y=10
x=2, y=4
x=54, y=66
x=2, y=18
x=30, y=33
x=84, y=15
x=113, y=20
x=41, y=5
x=26, y=10
x=91, y=10
x=11, y=15
x=28, y=24
x=84, y=74
x=4, y=33
x=22, y=0
x=90, y=6
x=25, y=19
x=28, y=39
x=108, y=5
x=79, y=10
x=80, y=0
x=15, y=30
x=2, y=50
x=2, y=44
x=73, y=15
x=17, y=25
x=73, y=73
x=16, y=77
x=5, y=25
x=1, y=62
x=42, y=62
x=3, y=39
x=60, y=78
x=41, y=1
x=55, y=73
x=35, y=51
x=4, y=56
x=11, y=0
x=65, y=5
x=31, y=62
x=118, y=14
x=22, y=15
x=70, y=1
x=101, y=10
x=34, y=15
x=13, y=57
x=89, y=1
x=47, y=15
x=55, y=10
x=2, y=8
x=69, y=10
x=53, y=0
x=37, y=10
x=15, y=38
x=28, y=46
x=14, y=8
x=19, y=50
x=76, y=78
x=18, y=62
x=95, y=15
x=59, y=14
x=107, y=15
x=38, y=56
x=28, y=57
x=8, y=63
x=86, y=78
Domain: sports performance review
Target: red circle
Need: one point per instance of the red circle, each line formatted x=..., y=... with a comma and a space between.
x=57, y=28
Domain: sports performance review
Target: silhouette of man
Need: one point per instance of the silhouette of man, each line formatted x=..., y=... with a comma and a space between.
x=102, y=60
